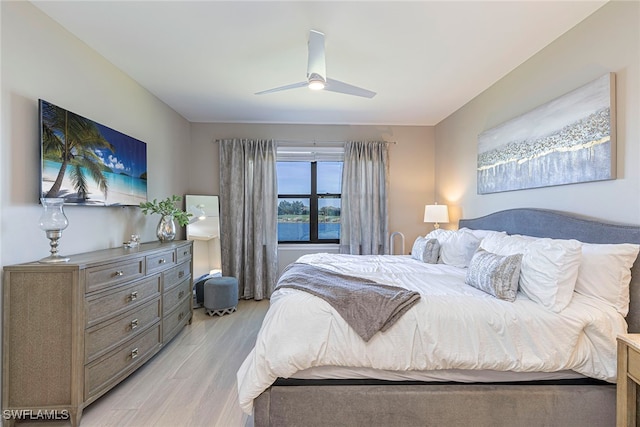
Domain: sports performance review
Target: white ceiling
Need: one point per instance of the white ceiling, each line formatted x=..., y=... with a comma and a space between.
x=425, y=59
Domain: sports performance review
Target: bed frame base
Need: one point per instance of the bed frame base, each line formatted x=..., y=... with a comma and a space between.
x=475, y=405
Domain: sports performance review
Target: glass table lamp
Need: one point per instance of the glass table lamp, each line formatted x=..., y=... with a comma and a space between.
x=53, y=221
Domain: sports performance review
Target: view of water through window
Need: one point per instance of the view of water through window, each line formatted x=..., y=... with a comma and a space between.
x=294, y=221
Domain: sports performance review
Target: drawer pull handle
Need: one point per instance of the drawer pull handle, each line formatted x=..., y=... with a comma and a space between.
x=180, y=294
x=162, y=261
x=134, y=353
x=181, y=274
x=180, y=316
x=119, y=273
x=133, y=296
x=185, y=253
x=134, y=324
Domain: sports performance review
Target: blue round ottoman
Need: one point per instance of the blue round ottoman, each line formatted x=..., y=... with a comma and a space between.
x=220, y=295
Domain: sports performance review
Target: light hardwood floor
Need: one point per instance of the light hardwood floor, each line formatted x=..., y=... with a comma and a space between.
x=191, y=382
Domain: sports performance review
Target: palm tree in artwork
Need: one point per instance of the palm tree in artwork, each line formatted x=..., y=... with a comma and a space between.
x=72, y=140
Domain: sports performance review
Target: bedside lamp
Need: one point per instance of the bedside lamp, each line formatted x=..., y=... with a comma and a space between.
x=436, y=214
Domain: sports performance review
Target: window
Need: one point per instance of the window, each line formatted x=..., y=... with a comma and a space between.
x=309, y=201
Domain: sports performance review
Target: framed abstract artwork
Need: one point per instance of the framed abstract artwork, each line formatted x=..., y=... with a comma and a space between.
x=568, y=140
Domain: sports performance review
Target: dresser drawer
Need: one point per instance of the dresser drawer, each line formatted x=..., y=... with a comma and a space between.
x=173, y=297
x=173, y=322
x=160, y=261
x=106, y=275
x=110, y=334
x=176, y=275
x=107, y=371
x=108, y=304
x=183, y=252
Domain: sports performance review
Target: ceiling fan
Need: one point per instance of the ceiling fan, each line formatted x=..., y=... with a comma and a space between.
x=317, y=75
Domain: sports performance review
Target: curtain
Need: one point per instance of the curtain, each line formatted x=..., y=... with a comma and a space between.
x=363, y=218
x=248, y=215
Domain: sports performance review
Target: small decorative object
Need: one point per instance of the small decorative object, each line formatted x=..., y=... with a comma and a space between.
x=53, y=221
x=166, y=230
x=436, y=213
x=133, y=243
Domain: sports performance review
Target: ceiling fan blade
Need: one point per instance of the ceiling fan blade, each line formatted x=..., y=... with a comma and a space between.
x=316, y=64
x=281, y=88
x=341, y=87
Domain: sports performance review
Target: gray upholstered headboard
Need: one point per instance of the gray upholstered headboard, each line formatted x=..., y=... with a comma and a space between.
x=560, y=225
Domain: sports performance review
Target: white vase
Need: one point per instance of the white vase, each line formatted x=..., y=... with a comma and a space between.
x=166, y=228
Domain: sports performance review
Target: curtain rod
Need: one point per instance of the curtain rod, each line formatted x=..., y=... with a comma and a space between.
x=300, y=142
x=307, y=142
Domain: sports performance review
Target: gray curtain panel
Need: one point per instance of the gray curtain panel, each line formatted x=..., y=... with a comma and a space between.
x=249, y=215
x=363, y=219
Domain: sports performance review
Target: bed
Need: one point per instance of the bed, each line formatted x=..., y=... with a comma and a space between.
x=284, y=388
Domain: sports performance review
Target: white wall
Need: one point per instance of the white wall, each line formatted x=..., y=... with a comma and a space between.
x=411, y=170
x=40, y=59
x=607, y=41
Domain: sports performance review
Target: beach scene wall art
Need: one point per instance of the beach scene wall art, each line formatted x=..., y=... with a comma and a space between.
x=568, y=140
x=86, y=163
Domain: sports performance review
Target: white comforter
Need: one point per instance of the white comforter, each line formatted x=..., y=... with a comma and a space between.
x=454, y=326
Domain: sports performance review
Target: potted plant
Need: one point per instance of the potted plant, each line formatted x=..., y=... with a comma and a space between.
x=170, y=213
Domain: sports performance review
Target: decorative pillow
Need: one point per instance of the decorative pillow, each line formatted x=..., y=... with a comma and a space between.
x=494, y=274
x=440, y=235
x=418, y=248
x=457, y=247
x=431, y=251
x=549, y=266
x=605, y=273
x=426, y=250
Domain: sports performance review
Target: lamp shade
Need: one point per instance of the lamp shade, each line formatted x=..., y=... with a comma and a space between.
x=436, y=213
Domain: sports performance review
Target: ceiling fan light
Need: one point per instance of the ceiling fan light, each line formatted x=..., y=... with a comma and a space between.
x=316, y=85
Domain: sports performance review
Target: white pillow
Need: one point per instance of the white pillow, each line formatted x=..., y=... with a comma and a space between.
x=506, y=244
x=439, y=234
x=457, y=247
x=605, y=273
x=549, y=266
x=481, y=234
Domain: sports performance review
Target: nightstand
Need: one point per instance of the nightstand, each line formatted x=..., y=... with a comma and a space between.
x=628, y=379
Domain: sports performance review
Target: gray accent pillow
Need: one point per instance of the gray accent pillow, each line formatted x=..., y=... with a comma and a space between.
x=431, y=251
x=494, y=274
x=426, y=250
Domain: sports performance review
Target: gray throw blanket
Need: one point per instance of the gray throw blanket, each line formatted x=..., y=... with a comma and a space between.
x=367, y=306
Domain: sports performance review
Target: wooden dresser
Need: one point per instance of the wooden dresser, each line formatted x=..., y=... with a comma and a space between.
x=72, y=331
x=628, y=379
